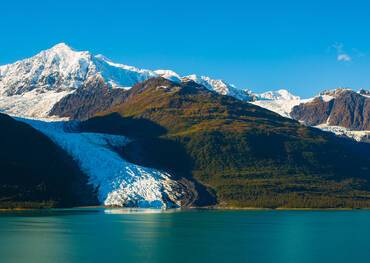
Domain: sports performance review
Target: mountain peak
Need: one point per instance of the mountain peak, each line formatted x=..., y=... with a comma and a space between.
x=335, y=91
x=168, y=74
x=61, y=46
x=64, y=53
x=45, y=78
x=281, y=94
x=62, y=49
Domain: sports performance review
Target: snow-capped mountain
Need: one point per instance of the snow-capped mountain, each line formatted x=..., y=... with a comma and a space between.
x=31, y=87
x=62, y=68
x=341, y=111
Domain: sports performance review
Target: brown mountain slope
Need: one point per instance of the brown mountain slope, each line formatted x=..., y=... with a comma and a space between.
x=86, y=101
x=245, y=155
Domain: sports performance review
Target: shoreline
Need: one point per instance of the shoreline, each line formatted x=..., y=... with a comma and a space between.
x=19, y=209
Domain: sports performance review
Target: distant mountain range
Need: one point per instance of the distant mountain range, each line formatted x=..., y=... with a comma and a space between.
x=152, y=138
x=342, y=111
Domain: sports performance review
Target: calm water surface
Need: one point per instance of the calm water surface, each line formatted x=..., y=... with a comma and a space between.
x=101, y=235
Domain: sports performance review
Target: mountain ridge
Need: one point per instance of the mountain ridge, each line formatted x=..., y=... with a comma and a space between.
x=63, y=83
x=31, y=87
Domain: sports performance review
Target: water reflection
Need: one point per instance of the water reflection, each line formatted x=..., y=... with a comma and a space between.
x=49, y=212
x=155, y=235
x=124, y=211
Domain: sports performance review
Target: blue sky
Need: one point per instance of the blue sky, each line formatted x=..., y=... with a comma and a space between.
x=303, y=46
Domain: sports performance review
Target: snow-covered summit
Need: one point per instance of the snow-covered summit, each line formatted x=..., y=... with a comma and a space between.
x=59, y=68
x=281, y=94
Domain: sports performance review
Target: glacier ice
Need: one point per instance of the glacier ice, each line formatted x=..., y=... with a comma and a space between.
x=119, y=182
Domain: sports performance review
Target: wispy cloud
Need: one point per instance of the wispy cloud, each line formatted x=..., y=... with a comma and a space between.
x=342, y=55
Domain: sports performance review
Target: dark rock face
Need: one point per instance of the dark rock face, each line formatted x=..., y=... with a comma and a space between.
x=365, y=92
x=347, y=109
x=351, y=110
x=93, y=97
x=313, y=113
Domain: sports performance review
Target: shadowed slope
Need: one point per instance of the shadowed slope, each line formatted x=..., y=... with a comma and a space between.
x=34, y=172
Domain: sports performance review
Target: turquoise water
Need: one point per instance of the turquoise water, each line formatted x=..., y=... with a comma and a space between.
x=100, y=235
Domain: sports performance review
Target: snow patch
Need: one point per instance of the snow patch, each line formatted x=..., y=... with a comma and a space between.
x=220, y=86
x=33, y=104
x=169, y=74
x=326, y=98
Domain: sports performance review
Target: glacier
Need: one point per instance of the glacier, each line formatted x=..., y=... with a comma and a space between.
x=359, y=136
x=279, y=101
x=119, y=182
